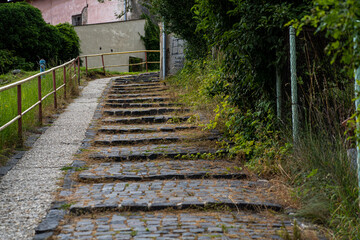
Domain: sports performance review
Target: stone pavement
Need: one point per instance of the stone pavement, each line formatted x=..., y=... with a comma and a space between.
x=26, y=191
x=140, y=175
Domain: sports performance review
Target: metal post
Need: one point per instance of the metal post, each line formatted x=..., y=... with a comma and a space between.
x=103, y=63
x=54, y=85
x=357, y=105
x=278, y=93
x=19, y=103
x=86, y=66
x=125, y=10
x=40, y=100
x=64, y=71
x=294, y=95
x=146, y=62
x=164, y=51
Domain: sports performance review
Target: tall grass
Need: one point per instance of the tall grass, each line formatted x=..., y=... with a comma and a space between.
x=8, y=105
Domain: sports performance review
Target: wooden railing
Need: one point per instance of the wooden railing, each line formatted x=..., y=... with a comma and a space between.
x=67, y=67
x=103, y=66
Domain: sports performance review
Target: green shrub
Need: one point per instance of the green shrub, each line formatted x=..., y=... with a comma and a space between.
x=70, y=42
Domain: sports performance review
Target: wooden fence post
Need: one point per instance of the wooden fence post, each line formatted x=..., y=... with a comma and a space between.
x=86, y=66
x=103, y=63
x=54, y=85
x=19, y=103
x=40, y=100
x=64, y=81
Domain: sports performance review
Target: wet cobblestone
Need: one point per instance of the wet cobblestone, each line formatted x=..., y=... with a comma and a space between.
x=162, y=170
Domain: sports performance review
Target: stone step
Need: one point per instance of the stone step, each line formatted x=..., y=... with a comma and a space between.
x=179, y=194
x=129, y=91
x=138, y=86
x=145, y=119
x=144, y=138
x=214, y=225
x=137, y=100
x=140, y=171
x=145, y=128
x=143, y=111
x=141, y=105
x=135, y=95
x=148, y=152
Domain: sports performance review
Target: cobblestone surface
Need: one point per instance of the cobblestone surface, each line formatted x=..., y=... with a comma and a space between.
x=181, y=194
x=138, y=99
x=149, y=152
x=146, y=119
x=145, y=128
x=183, y=225
x=147, y=199
x=156, y=137
x=140, y=105
x=162, y=170
x=142, y=111
x=134, y=95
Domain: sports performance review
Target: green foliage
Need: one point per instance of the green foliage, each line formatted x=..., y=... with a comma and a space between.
x=70, y=42
x=151, y=41
x=340, y=22
x=178, y=19
x=8, y=62
x=25, y=35
x=250, y=34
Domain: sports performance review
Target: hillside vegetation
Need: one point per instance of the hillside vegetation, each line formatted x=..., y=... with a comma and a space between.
x=235, y=50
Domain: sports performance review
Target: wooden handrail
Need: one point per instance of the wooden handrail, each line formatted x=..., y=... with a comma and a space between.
x=75, y=62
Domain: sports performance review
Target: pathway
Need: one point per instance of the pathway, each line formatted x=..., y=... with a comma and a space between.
x=137, y=178
x=26, y=192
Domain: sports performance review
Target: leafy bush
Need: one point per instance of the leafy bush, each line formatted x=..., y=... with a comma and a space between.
x=151, y=41
x=8, y=62
x=70, y=42
x=24, y=33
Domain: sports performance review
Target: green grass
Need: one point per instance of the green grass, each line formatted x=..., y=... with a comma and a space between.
x=29, y=96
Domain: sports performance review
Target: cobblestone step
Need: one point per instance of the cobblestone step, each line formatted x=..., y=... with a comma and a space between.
x=127, y=91
x=157, y=137
x=134, y=80
x=138, y=86
x=143, y=111
x=135, y=95
x=145, y=119
x=180, y=194
x=134, y=171
x=211, y=225
x=148, y=152
x=137, y=100
x=141, y=105
x=145, y=128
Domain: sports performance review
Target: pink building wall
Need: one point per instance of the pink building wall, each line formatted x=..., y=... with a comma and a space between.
x=61, y=11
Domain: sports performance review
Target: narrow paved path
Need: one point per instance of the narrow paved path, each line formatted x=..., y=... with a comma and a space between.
x=26, y=192
x=137, y=177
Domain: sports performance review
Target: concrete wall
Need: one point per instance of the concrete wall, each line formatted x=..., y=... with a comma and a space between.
x=174, y=54
x=112, y=37
x=61, y=11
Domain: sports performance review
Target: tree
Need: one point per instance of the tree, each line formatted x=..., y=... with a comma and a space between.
x=178, y=18
x=70, y=42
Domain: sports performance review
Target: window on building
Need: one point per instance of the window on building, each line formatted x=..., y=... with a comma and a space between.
x=77, y=20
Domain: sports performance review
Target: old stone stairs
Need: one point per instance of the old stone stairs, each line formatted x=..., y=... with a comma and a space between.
x=141, y=175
